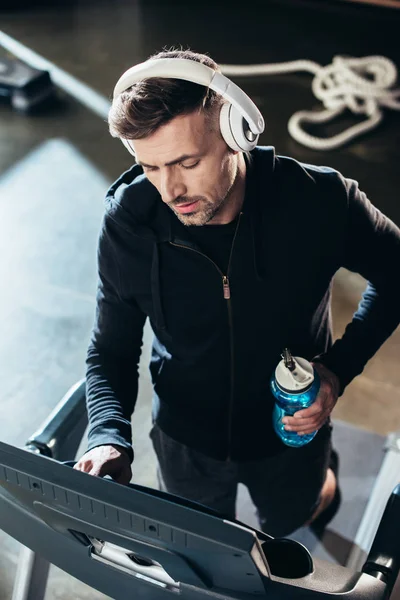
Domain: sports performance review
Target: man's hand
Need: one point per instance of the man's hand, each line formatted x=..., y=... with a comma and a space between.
x=312, y=418
x=107, y=460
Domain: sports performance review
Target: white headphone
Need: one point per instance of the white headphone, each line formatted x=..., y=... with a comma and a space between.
x=240, y=120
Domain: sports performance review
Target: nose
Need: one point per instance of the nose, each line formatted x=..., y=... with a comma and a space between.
x=171, y=187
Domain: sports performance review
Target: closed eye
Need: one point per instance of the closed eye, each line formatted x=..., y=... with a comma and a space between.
x=147, y=169
x=190, y=166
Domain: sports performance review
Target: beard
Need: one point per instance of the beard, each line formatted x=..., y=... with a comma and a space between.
x=205, y=210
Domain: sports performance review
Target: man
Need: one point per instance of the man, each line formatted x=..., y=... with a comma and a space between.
x=231, y=255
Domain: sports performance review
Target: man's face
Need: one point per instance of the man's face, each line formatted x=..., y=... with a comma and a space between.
x=191, y=167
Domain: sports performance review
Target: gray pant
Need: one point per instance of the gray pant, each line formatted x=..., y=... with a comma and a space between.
x=284, y=488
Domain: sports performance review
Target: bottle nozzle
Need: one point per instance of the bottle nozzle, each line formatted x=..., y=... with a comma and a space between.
x=288, y=359
x=293, y=372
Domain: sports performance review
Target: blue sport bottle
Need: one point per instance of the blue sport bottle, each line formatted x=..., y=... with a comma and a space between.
x=295, y=385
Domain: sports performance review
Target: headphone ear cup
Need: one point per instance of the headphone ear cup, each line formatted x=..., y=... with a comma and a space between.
x=225, y=126
x=235, y=130
x=128, y=146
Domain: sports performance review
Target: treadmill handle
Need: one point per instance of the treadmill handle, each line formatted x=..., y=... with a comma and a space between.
x=383, y=560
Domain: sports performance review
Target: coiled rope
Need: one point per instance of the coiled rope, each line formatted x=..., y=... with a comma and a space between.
x=362, y=85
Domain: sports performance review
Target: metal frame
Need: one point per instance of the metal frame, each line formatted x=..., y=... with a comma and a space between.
x=388, y=477
x=59, y=437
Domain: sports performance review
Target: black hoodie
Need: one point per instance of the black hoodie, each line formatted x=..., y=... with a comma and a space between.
x=213, y=357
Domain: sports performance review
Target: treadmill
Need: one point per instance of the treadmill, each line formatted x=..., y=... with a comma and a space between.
x=135, y=541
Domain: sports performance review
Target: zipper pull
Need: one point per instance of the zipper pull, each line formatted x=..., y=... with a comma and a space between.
x=227, y=289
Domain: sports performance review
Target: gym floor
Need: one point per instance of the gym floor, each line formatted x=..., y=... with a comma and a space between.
x=56, y=165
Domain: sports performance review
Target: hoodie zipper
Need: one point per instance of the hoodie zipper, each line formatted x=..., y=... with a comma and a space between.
x=227, y=296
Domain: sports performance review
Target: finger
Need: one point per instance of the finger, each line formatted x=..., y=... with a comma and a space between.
x=307, y=430
x=99, y=471
x=310, y=427
x=311, y=411
x=316, y=427
x=313, y=426
x=300, y=423
x=85, y=467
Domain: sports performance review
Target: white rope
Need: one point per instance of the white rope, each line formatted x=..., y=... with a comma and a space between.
x=362, y=85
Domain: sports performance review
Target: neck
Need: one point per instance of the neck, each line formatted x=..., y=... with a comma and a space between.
x=235, y=199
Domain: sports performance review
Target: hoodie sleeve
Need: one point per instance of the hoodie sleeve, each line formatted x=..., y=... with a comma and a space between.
x=113, y=353
x=372, y=249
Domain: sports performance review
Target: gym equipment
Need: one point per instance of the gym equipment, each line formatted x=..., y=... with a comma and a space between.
x=134, y=540
x=389, y=473
x=26, y=86
x=363, y=86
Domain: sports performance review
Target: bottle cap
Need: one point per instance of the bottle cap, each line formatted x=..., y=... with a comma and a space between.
x=295, y=378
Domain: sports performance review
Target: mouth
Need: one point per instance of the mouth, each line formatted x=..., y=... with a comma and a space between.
x=186, y=208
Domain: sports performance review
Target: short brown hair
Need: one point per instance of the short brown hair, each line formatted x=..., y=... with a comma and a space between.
x=148, y=104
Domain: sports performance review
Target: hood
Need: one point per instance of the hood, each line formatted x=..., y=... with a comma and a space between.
x=136, y=206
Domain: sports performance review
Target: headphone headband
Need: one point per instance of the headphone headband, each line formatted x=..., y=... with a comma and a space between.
x=190, y=70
